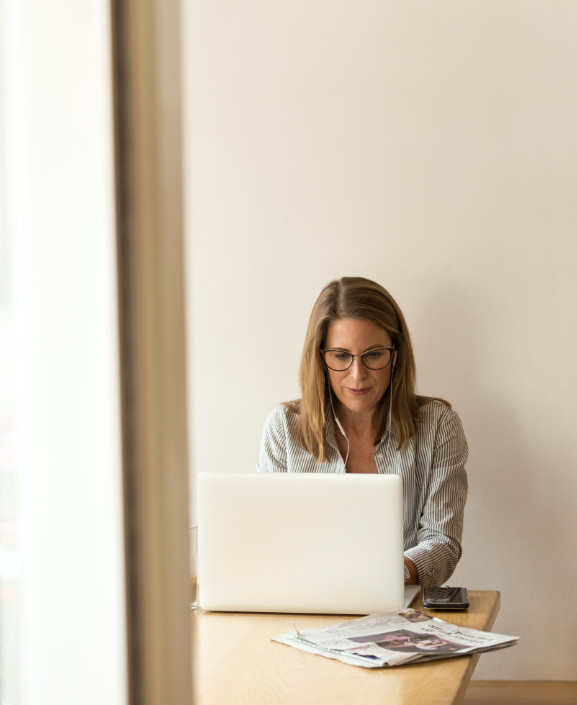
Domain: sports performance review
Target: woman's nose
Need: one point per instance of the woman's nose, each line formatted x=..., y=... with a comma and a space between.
x=357, y=369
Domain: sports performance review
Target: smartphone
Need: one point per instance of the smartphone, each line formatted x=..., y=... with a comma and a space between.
x=445, y=598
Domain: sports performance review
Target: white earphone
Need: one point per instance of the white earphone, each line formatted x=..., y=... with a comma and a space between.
x=339, y=424
x=391, y=390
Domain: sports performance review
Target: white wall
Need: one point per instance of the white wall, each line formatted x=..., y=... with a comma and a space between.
x=432, y=147
x=64, y=639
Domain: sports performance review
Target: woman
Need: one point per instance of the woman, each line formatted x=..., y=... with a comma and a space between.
x=359, y=414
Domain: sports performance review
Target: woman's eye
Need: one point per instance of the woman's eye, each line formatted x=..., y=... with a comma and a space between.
x=375, y=355
x=341, y=356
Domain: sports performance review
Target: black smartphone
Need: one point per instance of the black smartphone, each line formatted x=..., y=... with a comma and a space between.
x=445, y=598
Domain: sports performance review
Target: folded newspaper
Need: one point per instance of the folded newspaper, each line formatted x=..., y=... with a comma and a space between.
x=394, y=638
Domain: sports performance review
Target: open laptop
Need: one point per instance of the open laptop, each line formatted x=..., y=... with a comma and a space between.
x=300, y=543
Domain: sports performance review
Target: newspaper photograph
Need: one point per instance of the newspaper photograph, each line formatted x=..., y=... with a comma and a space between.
x=394, y=638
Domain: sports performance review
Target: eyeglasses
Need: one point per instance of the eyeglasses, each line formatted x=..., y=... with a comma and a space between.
x=340, y=360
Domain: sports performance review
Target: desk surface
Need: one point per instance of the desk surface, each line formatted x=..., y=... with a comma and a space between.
x=235, y=662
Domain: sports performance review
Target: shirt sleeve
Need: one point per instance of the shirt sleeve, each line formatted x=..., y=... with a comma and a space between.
x=438, y=548
x=272, y=456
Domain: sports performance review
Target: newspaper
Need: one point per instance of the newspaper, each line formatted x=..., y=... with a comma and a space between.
x=394, y=638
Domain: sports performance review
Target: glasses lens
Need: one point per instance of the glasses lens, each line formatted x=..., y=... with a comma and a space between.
x=377, y=359
x=338, y=360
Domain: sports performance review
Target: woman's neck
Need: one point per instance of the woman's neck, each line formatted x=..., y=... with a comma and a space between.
x=356, y=425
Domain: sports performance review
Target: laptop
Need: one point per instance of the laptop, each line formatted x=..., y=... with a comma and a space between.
x=300, y=543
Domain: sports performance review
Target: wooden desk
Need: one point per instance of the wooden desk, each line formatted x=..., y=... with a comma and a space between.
x=235, y=663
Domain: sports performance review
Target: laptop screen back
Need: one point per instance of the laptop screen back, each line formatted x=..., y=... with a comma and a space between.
x=300, y=543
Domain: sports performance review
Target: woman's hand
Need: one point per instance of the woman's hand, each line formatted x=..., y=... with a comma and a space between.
x=413, y=574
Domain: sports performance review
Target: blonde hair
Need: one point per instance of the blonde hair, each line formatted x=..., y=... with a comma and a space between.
x=356, y=297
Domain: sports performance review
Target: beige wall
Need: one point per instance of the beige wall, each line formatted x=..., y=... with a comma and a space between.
x=432, y=147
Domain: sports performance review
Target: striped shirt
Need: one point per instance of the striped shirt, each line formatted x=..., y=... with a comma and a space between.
x=432, y=468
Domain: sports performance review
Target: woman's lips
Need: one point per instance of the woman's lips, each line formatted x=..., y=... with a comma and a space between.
x=358, y=392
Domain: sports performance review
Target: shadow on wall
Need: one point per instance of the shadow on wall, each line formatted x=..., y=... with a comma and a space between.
x=519, y=516
x=516, y=500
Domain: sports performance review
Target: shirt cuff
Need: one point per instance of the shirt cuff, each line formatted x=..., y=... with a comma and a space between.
x=424, y=564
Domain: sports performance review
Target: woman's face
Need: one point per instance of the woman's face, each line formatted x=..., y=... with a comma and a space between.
x=358, y=389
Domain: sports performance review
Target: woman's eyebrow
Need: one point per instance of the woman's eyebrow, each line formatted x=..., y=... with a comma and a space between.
x=379, y=346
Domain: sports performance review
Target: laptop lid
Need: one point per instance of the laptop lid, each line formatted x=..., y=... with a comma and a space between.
x=300, y=543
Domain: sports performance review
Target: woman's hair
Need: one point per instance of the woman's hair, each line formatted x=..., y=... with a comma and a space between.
x=359, y=298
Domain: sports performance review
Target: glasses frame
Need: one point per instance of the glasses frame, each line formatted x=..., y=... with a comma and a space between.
x=362, y=356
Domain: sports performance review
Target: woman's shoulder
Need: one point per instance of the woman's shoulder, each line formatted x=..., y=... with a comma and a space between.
x=433, y=411
x=283, y=415
x=438, y=419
